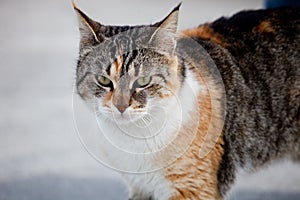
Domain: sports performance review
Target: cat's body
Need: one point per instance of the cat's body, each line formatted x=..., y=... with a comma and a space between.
x=257, y=55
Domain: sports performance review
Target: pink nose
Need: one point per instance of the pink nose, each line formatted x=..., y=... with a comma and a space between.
x=122, y=107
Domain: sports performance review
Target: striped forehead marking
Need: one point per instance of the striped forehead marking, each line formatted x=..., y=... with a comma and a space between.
x=128, y=60
x=122, y=65
x=114, y=69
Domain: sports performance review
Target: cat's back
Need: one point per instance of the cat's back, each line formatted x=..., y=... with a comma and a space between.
x=250, y=25
x=264, y=46
x=258, y=56
x=247, y=30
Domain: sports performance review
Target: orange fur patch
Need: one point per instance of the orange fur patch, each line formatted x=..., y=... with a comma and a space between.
x=193, y=177
x=264, y=27
x=162, y=96
x=106, y=100
x=207, y=33
x=117, y=64
x=118, y=68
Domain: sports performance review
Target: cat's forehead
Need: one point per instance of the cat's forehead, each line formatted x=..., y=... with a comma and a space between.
x=102, y=58
x=131, y=52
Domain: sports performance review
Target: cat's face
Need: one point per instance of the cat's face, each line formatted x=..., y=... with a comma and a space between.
x=126, y=73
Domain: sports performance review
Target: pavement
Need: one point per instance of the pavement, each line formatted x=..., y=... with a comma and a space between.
x=41, y=156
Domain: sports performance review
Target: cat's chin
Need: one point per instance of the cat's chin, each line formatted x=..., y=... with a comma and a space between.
x=127, y=118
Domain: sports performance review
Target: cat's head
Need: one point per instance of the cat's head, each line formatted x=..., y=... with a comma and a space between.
x=127, y=72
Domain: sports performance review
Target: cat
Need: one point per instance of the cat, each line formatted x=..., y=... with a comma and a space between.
x=244, y=113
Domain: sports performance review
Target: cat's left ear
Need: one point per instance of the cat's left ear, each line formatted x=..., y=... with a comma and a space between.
x=165, y=34
x=90, y=30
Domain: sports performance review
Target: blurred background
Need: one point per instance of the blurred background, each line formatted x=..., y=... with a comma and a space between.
x=41, y=157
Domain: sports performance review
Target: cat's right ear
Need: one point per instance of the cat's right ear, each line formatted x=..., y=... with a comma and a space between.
x=89, y=29
x=165, y=34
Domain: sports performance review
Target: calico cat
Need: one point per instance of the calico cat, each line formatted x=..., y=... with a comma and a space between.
x=248, y=108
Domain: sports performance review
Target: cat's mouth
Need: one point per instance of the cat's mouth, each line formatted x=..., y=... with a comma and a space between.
x=132, y=117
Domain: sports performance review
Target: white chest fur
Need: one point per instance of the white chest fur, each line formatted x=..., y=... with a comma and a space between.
x=140, y=152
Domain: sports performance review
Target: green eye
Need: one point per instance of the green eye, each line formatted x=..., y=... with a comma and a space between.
x=104, y=81
x=143, y=81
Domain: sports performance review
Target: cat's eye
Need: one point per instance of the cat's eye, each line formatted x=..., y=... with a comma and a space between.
x=104, y=81
x=143, y=81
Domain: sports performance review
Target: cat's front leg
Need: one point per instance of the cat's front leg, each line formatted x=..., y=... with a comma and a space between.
x=195, y=178
x=199, y=194
x=150, y=198
x=139, y=194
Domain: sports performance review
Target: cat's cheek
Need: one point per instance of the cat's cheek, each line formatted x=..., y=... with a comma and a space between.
x=106, y=100
x=161, y=93
x=101, y=111
x=166, y=95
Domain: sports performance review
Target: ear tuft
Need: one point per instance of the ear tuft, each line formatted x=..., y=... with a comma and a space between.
x=74, y=5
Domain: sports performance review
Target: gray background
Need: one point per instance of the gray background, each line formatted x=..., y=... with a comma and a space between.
x=41, y=156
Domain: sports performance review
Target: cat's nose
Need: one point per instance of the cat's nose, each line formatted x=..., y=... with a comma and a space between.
x=121, y=100
x=122, y=107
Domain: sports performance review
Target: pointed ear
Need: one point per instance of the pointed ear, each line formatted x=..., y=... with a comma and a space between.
x=170, y=23
x=165, y=34
x=89, y=29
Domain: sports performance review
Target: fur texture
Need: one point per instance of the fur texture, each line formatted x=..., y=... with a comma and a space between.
x=132, y=86
x=262, y=86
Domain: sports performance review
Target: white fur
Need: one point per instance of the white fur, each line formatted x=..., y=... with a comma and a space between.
x=134, y=150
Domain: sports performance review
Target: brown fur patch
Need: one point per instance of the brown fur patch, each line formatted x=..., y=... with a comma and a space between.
x=193, y=177
x=207, y=33
x=120, y=63
x=106, y=100
x=264, y=27
x=117, y=64
x=162, y=96
x=118, y=68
